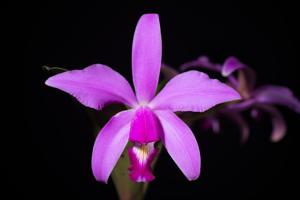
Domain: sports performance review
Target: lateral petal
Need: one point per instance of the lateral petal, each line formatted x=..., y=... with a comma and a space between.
x=193, y=91
x=181, y=144
x=110, y=144
x=94, y=86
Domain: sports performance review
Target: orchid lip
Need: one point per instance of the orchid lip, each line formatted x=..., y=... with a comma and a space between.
x=141, y=157
x=145, y=126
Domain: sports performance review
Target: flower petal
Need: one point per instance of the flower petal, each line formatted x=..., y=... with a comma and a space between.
x=110, y=144
x=181, y=144
x=247, y=80
x=201, y=62
x=230, y=65
x=242, y=124
x=211, y=122
x=277, y=95
x=95, y=86
x=279, y=125
x=145, y=127
x=240, y=106
x=146, y=56
x=193, y=91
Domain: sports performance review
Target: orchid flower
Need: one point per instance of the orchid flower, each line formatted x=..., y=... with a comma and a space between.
x=258, y=99
x=150, y=118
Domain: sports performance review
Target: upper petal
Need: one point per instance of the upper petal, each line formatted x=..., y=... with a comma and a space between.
x=110, y=144
x=230, y=65
x=146, y=56
x=278, y=122
x=193, y=91
x=277, y=95
x=181, y=144
x=94, y=86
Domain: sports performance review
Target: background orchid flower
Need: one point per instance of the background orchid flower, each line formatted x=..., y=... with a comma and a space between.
x=149, y=118
x=212, y=119
x=258, y=99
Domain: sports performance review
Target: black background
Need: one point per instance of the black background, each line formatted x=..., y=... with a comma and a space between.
x=55, y=160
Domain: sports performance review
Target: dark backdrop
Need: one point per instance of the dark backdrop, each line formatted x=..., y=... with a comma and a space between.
x=55, y=159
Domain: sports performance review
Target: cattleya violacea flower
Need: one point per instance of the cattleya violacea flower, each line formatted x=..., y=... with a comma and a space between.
x=149, y=118
x=260, y=99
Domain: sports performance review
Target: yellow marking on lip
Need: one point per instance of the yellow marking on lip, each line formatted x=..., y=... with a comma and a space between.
x=142, y=152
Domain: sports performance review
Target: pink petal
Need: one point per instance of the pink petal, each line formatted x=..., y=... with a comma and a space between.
x=193, y=91
x=241, y=123
x=230, y=65
x=279, y=125
x=146, y=56
x=110, y=144
x=212, y=123
x=277, y=95
x=145, y=127
x=247, y=80
x=241, y=106
x=215, y=125
x=95, y=86
x=181, y=144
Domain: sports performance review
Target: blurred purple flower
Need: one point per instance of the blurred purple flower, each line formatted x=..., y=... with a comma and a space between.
x=258, y=99
x=149, y=118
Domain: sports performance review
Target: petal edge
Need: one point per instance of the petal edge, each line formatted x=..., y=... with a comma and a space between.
x=181, y=144
x=94, y=86
x=109, y=145
x=193, y=91
x=146, y=56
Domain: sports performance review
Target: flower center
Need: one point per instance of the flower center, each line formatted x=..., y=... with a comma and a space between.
x=145, y=130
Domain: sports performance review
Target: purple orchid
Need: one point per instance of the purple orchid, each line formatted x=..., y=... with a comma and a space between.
x=149, y=118
x=258, y=99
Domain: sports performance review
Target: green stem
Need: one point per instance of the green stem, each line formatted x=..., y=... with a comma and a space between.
x=53, y=69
